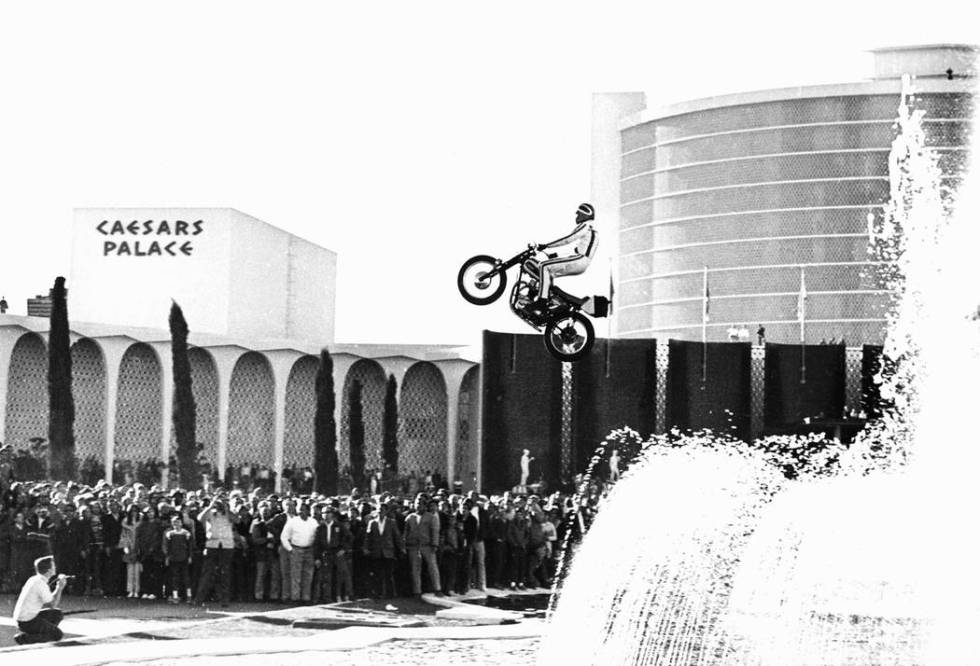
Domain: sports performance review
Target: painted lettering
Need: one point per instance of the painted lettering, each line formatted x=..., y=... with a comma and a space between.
x=108, y=247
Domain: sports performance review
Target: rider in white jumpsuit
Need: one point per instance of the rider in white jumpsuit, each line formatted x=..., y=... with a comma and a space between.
x=583, y=241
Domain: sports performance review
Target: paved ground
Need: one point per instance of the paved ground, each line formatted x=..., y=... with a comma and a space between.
x=105, y=630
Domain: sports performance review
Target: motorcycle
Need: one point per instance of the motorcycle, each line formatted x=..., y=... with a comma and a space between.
x=568, y=332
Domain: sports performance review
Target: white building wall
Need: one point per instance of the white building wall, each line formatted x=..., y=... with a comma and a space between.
x=111, y=285
x=257, y=293
x=231, y=273
x=312, y=292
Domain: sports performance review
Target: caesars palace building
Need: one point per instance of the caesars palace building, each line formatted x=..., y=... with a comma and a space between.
x=748, y=196
x=260, y=306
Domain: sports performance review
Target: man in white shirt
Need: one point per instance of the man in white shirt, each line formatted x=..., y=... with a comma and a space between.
x=36, y=612
x=297, y=538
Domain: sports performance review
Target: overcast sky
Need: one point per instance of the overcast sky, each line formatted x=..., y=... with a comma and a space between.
x=406, y=136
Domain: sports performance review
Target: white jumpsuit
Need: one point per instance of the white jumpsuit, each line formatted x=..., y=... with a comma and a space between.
x=584, y=242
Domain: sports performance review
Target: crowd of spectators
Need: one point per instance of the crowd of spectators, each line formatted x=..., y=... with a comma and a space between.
x=233, y=544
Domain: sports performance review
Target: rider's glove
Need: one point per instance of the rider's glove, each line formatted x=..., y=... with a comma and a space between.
x=540, y=246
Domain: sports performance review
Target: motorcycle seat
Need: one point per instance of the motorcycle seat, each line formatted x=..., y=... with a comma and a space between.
x=568, y=297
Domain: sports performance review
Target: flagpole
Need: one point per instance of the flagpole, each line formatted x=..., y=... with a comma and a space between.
x=802, y=315
x=704, y=328
x=609, y=319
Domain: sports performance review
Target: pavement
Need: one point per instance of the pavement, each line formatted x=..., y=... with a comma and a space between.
x=100, y=631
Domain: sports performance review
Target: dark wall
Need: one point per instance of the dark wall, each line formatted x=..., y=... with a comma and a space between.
x=521, y=409
x=522, y=395
x=789, y=399
x=713, y=393
x=626, y=395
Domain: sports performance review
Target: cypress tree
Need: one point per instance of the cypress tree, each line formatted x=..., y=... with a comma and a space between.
x=389, y=446
x=184, y=408
x=325, y=463
x=357, y=457
x=61, y=402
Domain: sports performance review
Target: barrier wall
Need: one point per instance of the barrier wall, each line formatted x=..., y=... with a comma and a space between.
x=743, y=389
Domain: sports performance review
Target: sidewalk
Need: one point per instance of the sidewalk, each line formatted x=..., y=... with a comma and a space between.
x=108, y=622
x=128, y=631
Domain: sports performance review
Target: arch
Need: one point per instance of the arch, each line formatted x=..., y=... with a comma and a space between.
x=27, y=391
x=466, y=440
x=422, y=421
x=300, y=410
x=139, y=405
x=372, y=378
x=251, y=412
x=204, y=386
x=88, y=387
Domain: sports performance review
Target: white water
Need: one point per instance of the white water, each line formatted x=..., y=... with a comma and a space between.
x=705, y=555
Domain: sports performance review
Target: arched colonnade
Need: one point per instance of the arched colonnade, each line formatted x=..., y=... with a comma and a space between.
x=253, y=406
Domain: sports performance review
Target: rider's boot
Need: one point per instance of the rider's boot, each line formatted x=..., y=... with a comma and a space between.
x=539, y=305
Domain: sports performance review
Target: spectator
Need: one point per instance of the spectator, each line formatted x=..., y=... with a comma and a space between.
x=360, y=572
x=69, y=541
x=383, y=545
x=476, y=537
x=517, y=536
x=218, y=547
x=422, y=542
x=242, y=569
x=297, y=538
x=96, y=550
x=20, y=551
x=265, y=555
x=332, y=544
x=127, y=542
x=449, y=540
x=276, y=526
x=537, y=546
x=149, y=553
x=112, y=573
x=178, y=551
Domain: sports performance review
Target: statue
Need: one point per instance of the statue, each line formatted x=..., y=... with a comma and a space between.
x=525, y=468
x=614, y=466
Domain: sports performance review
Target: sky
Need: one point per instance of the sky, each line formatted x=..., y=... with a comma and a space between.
x=405, y=136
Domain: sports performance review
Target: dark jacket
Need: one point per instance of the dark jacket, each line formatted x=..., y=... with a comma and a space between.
x=149, y=541
x=340, y=539
x=71, y=539
x=111, y=530
x=260, y=539
x=385, y=544
x=178, y=545
x=517, y=531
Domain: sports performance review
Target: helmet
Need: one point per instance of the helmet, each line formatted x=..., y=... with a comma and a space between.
x=584, y=213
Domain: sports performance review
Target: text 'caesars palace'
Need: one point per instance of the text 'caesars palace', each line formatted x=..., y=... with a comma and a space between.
x=747, y=192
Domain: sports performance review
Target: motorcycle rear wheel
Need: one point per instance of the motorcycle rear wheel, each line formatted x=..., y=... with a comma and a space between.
x=472, y=285
x=569, y=337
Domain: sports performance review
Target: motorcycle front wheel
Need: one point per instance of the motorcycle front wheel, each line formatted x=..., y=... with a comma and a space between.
x=569, y=337
x=473, y=283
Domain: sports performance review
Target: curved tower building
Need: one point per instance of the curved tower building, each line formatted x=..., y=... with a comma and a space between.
x=752, y=192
